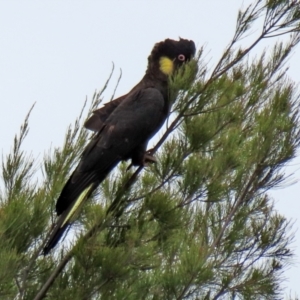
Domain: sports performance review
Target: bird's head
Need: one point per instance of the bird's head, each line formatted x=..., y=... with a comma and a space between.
x=167, y=56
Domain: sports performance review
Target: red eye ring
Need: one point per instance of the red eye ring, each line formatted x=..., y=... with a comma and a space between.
x=181, y=57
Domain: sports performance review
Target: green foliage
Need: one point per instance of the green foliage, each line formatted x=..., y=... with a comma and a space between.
x=198, y=224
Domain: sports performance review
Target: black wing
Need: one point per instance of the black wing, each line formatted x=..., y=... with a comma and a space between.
x=132, y=123
x=97, y=120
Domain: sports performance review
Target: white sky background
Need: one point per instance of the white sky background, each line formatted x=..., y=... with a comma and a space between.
x=56, y=53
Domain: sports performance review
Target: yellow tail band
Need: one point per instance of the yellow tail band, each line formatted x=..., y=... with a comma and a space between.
x=77, y=204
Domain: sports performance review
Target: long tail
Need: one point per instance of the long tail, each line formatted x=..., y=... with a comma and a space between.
x=65, y=218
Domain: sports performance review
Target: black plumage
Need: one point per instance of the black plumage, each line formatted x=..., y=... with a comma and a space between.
x=123, y=128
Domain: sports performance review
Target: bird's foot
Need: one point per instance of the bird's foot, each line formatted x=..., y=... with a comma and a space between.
x=148, y=158
x=143, y=161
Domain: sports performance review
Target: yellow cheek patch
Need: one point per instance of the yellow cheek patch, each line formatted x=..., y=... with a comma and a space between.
x=166, y=65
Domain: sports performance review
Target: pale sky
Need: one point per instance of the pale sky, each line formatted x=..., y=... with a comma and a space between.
x=56, y=53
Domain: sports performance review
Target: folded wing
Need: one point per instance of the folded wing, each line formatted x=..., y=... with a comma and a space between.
x=131, y=124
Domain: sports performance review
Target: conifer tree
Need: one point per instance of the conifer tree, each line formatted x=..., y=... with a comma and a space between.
x=198, y=224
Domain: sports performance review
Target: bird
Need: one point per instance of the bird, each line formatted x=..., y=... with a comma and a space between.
x=123, y=128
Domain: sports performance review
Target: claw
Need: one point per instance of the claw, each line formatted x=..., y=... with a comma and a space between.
x=148, y=158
